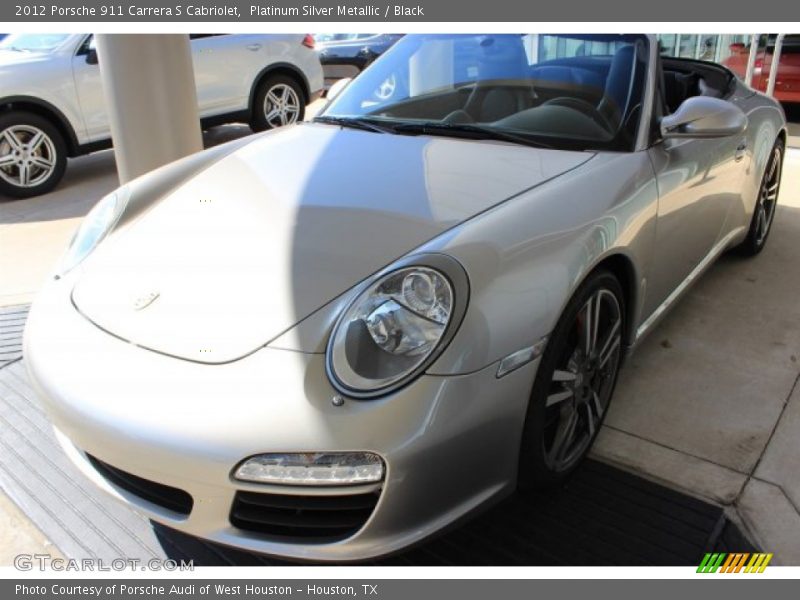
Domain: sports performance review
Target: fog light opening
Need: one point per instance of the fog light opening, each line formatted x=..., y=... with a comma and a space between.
x=309, y=468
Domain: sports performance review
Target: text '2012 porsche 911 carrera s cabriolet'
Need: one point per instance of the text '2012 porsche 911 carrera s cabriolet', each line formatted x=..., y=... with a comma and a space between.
x=331, y=341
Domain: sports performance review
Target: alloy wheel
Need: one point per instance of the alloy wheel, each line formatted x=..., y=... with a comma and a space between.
x=768, y=197
x=281, y=105
x=27, y=156
x=583, y=381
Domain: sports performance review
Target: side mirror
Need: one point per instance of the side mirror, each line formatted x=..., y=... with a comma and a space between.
x=91, y=57
x=704, y=117
x=337, y=88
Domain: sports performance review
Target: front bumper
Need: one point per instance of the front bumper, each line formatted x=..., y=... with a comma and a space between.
x=450, y=444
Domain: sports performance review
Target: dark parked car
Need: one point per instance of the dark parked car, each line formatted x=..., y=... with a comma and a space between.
x=346, y=55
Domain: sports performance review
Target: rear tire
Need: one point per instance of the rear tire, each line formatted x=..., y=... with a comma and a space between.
x=574, y=383
x=33, y=154
x=279, y=101
x=766, y=203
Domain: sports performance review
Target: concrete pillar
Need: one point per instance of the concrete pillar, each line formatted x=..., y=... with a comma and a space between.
x=773, y=67
x=151, y=100
x=751, y=59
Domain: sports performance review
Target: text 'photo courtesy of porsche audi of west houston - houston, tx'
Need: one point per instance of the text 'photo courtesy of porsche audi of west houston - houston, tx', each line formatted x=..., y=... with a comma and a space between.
x=331, y=340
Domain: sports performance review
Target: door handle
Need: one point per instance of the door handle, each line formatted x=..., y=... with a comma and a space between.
x=253, y=47
x=741, y=150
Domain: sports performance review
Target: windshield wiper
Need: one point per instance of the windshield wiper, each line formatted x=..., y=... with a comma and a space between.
x=469, y=130
x=355, y=123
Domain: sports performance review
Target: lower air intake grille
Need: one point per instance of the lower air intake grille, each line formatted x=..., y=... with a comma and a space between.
x=303, y=518
x=157, y=493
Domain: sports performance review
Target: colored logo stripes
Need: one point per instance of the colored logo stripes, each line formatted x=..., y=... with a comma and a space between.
x=735, y=562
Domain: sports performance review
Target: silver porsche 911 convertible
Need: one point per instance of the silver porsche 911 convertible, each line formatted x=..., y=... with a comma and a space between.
x=331, y=341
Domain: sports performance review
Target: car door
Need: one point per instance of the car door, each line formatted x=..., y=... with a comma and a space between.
x=224, y=67
x=699, y=182
x=89, y=88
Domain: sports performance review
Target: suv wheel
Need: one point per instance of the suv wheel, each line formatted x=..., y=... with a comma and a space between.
x=278, y=102
x=33, y=155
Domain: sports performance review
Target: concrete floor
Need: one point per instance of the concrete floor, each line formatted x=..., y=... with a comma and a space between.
x=710, y=404
x=19, y=536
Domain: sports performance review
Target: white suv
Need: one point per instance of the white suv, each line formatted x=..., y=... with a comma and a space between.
x=52, y=104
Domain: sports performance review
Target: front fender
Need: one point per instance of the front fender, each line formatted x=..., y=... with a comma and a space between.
x=526, y=258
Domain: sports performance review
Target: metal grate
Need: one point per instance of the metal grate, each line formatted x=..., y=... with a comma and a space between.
x=12, y=322
x=302, y=518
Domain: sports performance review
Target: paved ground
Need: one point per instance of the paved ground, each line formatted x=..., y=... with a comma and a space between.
x=710, y=404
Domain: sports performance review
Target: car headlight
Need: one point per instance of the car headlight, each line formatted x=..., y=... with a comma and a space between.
x=397, y=326
x=312, y=468
x=94, y=227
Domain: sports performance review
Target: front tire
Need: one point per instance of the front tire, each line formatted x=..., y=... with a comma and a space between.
x=574, y=383
x=279, y=101
x=766, y=203
x=33, y=155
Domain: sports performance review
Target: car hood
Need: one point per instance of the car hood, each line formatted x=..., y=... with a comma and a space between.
x=265, y=236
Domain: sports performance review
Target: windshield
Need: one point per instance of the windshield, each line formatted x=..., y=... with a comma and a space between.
x=33, y=42
x=564, y=91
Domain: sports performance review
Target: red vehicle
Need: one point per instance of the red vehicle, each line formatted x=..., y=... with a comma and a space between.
x=787, y=85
